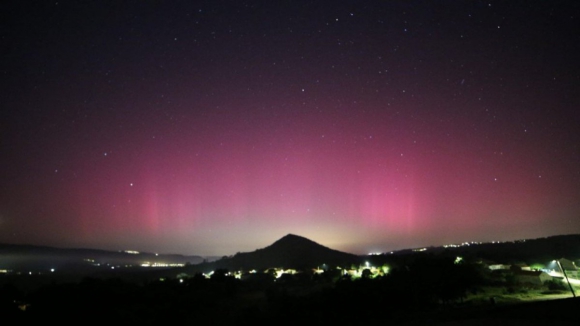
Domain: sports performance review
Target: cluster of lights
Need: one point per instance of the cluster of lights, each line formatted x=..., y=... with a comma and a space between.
x=464, y=244
x=92, y=261
x=148, y=264
x=132, y=252
x=278, y=272
x=419, y=250
x=6, y=271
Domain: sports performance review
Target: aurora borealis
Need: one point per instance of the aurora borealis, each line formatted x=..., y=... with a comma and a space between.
x=211, y=127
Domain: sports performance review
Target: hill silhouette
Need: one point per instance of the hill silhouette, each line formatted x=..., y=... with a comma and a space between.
x=291, y=251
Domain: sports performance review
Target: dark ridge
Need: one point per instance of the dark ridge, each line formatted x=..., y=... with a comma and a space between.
x=43, y=258
x=529, y=250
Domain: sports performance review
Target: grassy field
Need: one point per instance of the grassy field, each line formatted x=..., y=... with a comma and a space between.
x=502, y=295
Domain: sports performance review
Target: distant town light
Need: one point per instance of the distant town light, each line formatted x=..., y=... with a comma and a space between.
x=148, y=264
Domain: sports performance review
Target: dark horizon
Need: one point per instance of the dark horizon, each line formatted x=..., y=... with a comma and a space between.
x=211, y=128
x=121, y=250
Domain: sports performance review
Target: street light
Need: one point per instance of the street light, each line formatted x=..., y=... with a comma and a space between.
x=567, y=280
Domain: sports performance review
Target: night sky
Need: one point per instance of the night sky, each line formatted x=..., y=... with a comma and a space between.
x=212, y=127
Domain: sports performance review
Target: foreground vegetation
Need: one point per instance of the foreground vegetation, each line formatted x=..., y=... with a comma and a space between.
x=433, y=287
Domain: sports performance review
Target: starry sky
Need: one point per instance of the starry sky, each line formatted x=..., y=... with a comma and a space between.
x=212, y=127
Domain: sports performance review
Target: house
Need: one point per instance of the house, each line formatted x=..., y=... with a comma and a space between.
x=568, y=265
x=521, y=266
x=531, y=277
x=499, y=267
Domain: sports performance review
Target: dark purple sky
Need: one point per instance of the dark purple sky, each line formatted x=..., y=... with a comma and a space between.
x=220, y=126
